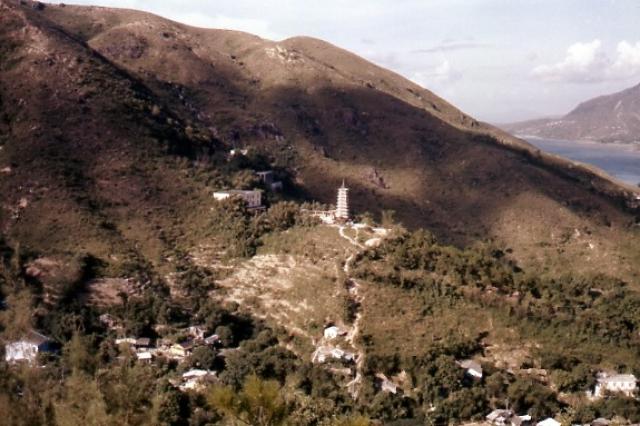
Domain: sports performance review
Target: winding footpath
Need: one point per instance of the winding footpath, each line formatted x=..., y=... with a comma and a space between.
x=353, y=288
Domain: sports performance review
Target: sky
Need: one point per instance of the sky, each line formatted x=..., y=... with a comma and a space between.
x=497, y=60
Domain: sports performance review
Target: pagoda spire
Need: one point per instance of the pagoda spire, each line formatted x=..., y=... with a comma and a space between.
x=342, y=205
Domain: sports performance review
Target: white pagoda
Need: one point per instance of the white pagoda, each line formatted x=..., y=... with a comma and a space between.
x=342, y=206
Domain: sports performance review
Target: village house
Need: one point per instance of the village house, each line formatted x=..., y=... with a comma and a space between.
x=253, y=198
x=126, y=340
x=471, y=368
x=600, y=421
x=548, y=422
x=212, y=340
x=324, y=353
x=144, y=356
x=621, y=383
x=181, y=350
x=385, y=384
x=142, y=342
x=502, y=417
x=267, y=177
x=333, y=332
x=110, y=322
x=196, y=331
x=28, y=347
x=196, y=379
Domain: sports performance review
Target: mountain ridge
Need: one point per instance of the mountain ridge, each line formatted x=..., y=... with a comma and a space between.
x=613, y=117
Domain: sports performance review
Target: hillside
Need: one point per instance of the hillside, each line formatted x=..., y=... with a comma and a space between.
x=609, y=118
x=164, y=306
x=319, y=114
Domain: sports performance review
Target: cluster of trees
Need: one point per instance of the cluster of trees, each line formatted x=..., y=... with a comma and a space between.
x=240, y=230
x=415, y=260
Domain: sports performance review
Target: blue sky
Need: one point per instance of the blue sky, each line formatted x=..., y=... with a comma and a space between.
x=498, y=60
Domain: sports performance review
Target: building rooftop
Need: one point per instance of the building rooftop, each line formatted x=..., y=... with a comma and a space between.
x=35, y=338
x=617, y=378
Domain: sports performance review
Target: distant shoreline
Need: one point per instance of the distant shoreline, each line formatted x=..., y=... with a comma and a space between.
x=620, y=160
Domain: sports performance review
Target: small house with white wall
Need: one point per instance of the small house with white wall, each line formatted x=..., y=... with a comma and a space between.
x=619, y=383
x=548, y=422
x=333, y=332
x=385, y=384
x=471, y=368
x=502, y=417
x=28, y=347
x=253, y=198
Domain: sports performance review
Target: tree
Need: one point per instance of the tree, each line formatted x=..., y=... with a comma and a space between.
x=18, y=318
x=168, y=407
x=83, y=403
x=126, y=389
x=77, y=356
x=202, y=357
x=534, y=398
x=259, y=403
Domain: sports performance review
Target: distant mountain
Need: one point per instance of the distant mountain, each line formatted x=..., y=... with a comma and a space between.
x=610, y=118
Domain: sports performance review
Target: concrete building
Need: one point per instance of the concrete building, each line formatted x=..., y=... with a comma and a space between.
x=266, y=177
x=471, y=367
x=27, y=348
x=548, y=422
x=332, y=332
x=622, y=383
x=253, y=198
x=504, y=418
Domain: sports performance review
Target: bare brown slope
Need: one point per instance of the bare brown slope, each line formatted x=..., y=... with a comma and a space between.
x=330, y=115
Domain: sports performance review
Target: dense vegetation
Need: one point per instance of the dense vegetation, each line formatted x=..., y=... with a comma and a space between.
x=581, y=323
x=261, y=382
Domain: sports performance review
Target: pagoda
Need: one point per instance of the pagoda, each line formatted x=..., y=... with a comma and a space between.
x=342, y=206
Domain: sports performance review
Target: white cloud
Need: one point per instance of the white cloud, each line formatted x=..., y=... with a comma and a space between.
x=628, y=59
x=589, y=63
x=440, y=75
x=584, y=63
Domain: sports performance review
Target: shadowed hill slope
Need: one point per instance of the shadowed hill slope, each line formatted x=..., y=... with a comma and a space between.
x=118, y=93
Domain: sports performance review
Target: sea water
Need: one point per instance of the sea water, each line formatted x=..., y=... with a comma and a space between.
x=620, y=160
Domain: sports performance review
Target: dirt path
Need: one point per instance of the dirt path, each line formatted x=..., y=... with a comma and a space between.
x=353, y=288
x=353, y=241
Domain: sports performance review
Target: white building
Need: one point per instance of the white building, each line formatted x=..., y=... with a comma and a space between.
x=324, y=353
x=548, y=422
x=266, y=177
x=623, y=383
x=504, y=418
x=332, y=332
x=253, y=198
x=27, y=348
x=342, y=206
x=385, y=384
x=471, y=367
